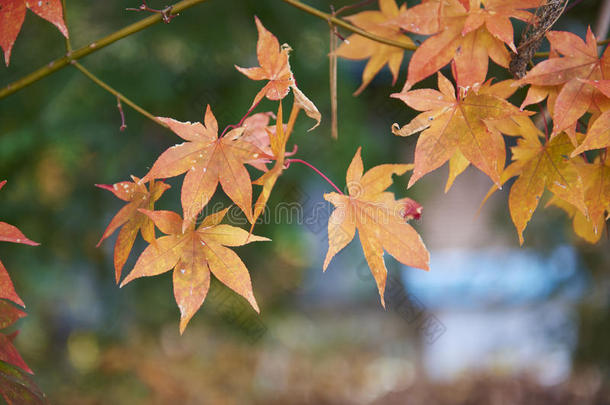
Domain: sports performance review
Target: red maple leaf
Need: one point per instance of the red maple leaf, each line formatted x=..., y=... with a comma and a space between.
x=9, y=314
x=12, y=14
x=10, y=233
x=130, y=219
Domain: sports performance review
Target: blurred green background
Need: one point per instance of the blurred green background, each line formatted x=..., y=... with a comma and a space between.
x=319, y=338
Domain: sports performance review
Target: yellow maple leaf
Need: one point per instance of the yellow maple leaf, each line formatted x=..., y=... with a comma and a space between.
x=357, y=47
x=453, y=123
x=379, y=218
x=193, y=254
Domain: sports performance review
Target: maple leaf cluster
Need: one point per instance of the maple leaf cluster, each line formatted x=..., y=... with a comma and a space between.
x=14, y=384
x=464, y=122
x=467, y=123
x=197, y=249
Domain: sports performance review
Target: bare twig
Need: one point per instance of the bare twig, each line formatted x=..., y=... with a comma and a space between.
x=332, y=57
x=67, y=39
x=362, y=3
x=241, y=121
x=120, y=107
x=165, y=13
x=315, y=169
x=94, y=46
x=120, y=97
x=343, y=24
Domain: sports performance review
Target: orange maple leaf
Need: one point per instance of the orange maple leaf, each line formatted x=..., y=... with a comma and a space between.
x=379, y=218
x=598, y=133
x=465, y=33
x=207, y=160
x=129, y=218
x=596, y=183
x=536, y=94
x=256, y=131
x=193, y=254
x=541, y=166
x=9, y=314
x=381, y=23
x=10, y=233
x=451, y=124
x=12, y=14
x=504, y=89
x=579, y=63
x=274, y=66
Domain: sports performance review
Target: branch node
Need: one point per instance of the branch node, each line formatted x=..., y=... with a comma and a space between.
x=166, y=13
x=333, y=27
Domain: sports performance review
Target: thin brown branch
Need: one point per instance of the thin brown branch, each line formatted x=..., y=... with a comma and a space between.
x=332, y=59
x=343, y=24
x=120, y=107
x=117, y=94
x=165, y=13
x=94, y=46
x=67, y=39
x=362, y=3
